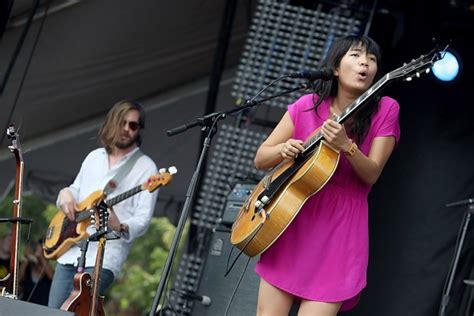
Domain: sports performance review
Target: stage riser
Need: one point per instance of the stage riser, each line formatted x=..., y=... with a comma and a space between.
x=11, y=307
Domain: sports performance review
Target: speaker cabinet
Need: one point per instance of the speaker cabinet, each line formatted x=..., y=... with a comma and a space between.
x=219, y=288
x=10, y=307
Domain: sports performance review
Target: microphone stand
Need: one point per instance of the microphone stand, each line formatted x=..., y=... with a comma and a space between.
x=208, y=125
x=457, y=252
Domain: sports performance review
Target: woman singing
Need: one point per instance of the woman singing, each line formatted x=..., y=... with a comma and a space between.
x=321, y=259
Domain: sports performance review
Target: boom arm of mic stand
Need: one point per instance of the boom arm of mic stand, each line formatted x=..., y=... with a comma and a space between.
x=250, y=103
x=208, y=119
x=202, y=121
x=462, y=202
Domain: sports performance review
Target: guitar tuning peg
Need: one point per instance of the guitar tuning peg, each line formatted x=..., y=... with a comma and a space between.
x=427, y=70
x=408, y=79
x=162, y=170
x=172, y=170
x=418, y=75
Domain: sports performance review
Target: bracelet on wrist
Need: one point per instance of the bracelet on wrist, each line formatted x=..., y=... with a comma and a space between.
x=352, y=149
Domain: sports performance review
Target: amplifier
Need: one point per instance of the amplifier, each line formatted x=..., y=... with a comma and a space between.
x=234, y=202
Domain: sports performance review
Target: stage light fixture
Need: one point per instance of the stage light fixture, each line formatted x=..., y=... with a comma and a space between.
x=448, y=68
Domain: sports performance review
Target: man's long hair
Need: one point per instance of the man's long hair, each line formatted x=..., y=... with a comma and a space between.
x=110, y=130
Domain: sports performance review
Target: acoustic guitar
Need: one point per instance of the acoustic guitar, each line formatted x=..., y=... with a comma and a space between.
x=278, y=197
x=63, y=233
x=84, y=299
x=9, y=284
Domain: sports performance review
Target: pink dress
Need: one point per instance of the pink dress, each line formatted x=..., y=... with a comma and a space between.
x=323, y=254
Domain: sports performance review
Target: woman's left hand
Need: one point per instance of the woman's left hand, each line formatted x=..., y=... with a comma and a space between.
x=335, y=134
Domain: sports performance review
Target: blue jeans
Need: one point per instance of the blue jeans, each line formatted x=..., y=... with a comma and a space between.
x=62, y=284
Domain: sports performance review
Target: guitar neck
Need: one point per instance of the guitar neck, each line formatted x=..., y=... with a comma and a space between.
x=15, y=242
x=81, y=216
x=125, y=195
x=96, y=276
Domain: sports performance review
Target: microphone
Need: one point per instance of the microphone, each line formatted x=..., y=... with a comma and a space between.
x=203, y=299
x=323, y=74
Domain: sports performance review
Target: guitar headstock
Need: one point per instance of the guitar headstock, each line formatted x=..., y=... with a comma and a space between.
x=417, y=67
x=162, y=178
x=15, y=147
x=100, y=217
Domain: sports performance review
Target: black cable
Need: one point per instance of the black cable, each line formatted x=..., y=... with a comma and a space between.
x=36, y=284
x=19, y=46
x=229, y=269
x=30, y=57
x=370, y=19
x=236, y=287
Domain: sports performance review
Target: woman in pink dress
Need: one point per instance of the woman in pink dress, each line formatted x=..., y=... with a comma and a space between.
x=321, y=259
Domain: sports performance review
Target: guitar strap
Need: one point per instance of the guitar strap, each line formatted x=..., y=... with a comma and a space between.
x=122, y=172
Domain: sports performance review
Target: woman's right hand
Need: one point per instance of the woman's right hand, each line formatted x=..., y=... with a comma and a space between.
x=67, y=203
x=291, y=148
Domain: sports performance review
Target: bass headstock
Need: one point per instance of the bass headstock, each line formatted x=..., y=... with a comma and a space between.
x=162, y=178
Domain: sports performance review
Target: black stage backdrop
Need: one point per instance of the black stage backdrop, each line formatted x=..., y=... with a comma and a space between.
x=412, y=233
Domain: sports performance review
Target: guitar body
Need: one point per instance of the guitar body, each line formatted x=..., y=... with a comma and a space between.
x=62, y=233
x=79, y=301
x=253, y=232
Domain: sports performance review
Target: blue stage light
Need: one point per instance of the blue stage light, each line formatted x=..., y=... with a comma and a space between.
x=447, y=69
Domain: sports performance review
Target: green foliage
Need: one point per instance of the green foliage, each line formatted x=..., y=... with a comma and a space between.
x=33, y=208
x=133, y=293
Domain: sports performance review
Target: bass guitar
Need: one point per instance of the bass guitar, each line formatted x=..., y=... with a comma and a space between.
x=278, y=197
x=9, y=284
x=63, y=233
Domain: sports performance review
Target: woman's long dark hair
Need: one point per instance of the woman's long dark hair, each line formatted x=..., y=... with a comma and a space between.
x=363, y=117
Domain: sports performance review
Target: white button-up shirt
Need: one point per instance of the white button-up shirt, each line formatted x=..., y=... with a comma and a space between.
x=135, y=211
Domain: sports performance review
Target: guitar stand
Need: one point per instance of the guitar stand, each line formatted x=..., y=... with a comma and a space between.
x=18, y=220
x=84, y=244
x=457, y=253
x=81, y=260
x=15, y=220
x=109, y=235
